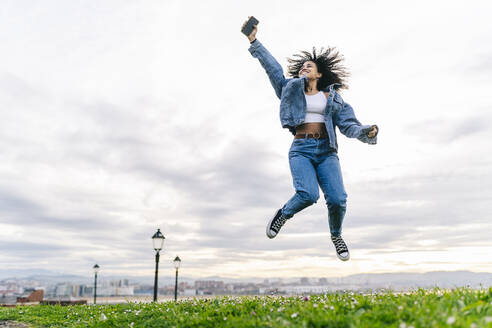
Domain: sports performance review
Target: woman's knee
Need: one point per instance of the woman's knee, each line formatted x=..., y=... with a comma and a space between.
x=338, y=201
x=308, y=197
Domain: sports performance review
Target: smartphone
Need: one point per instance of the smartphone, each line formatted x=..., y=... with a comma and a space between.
x=248, y=28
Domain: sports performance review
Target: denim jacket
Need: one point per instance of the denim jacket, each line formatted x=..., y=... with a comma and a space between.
x=293, y=102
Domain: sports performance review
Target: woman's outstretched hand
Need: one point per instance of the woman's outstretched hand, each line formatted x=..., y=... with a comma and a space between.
x=252, y=35
x=373, y=131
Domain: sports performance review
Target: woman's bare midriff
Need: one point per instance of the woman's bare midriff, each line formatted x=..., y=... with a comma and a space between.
x=313, y=128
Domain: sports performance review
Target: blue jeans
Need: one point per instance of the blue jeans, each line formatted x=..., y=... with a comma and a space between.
x=312, y=163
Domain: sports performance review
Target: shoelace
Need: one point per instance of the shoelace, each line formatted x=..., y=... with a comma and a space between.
x=339, y=245
x=278, y=223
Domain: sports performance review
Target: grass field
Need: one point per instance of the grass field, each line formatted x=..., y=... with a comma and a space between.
x=422, y=308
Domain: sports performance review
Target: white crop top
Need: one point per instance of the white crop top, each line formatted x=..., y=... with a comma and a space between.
x=315, y=108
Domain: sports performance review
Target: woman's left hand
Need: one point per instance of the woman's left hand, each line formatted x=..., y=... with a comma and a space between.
x=373, y=132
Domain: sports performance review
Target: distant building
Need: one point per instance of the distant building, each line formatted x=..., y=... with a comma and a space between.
x=123, y=283
x=188, y=292
x=209, y=287
x=107, y=288
x=33, y=296
x=65, y=290
x=8, y=299
x=115, y=291
x=209, y=284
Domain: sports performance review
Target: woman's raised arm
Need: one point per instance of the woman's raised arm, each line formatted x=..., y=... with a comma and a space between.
x=269, y=63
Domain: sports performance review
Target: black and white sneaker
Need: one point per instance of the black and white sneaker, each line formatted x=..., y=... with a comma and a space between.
x=273, y=227
x=341, y=248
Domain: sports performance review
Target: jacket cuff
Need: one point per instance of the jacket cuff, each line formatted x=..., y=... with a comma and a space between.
x=363, y=134
x=254, y=46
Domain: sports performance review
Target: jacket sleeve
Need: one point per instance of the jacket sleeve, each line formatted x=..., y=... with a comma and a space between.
x=349, y=125
x=271, y=66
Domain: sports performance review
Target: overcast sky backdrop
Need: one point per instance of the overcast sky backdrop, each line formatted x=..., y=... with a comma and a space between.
x=119, y=117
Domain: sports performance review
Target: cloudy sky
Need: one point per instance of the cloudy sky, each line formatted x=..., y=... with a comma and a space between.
x=119, y=117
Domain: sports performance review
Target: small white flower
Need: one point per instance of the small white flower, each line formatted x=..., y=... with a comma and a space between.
x=450, y=320
x=400, y=307
x=403, y=325
x=488, y=319
x=315, y=305
x=103, y=317
x=225, y=318
x=332, y=308
x=293, y=315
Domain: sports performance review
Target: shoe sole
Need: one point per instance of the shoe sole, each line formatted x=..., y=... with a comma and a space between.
x=344, y=258
x=269, y=225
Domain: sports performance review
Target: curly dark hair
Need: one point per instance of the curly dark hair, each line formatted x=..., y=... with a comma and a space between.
x=329, y=64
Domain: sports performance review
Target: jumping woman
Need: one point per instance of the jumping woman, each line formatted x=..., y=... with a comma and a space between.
x=311, y=107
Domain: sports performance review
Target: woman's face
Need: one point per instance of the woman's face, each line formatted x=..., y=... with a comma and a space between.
x=309, y=69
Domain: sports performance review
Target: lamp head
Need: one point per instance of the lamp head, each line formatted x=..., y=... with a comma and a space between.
x=158, y=240
x=177, y=262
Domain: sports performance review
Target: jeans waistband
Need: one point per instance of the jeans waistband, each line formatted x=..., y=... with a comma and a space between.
x=311, y=135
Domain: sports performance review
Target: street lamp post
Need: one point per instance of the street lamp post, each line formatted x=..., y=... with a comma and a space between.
x=177, y=262
x=96, y=270
x=157, y=241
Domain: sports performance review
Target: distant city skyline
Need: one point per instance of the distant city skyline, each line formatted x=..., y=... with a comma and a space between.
x=119, y=118
x=114, y=290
